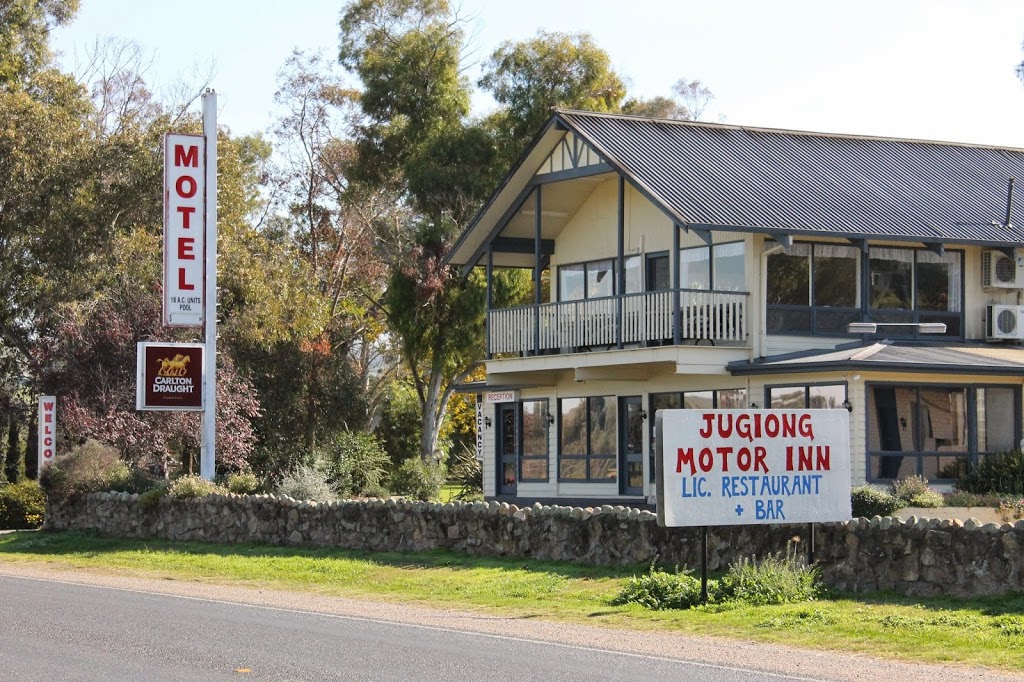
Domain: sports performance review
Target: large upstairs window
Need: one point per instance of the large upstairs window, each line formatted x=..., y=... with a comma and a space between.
x=597, y=279
x=812, y=288
x=914, y=285
x=719, y=267
x=821, y=288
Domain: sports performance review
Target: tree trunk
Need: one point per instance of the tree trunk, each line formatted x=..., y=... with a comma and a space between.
x=13, y=459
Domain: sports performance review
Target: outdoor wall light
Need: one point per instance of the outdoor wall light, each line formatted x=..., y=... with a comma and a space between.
x=643, y=414
x=487, y=422
x=551, y=418
x=848, y=405
x=753, y=406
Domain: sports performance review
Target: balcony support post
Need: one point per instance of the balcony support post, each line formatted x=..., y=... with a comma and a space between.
x=620, y=284
x=676, y=302
x=536, y=270
x=489, y=305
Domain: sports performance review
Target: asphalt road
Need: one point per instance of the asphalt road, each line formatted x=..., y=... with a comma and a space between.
x=60, y=623
x=54, y=630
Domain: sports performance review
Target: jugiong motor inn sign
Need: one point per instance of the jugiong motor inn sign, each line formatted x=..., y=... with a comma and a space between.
x=739, y=467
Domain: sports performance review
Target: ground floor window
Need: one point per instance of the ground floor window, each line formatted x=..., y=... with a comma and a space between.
x=533, y=460
x=587, y=438
x=805, y=396
x=938, y=431
x=721, y=399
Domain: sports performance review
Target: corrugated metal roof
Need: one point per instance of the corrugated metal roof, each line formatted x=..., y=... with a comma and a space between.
x=808, y=183
x=894, y=357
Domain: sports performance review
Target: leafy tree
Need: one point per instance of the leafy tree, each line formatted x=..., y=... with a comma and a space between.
x=530, y=78
x=407, y=55
x=25, y=26
x=89, y=358
x=689, y=104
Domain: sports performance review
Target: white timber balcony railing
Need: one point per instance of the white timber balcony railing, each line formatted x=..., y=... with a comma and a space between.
x=594, y=324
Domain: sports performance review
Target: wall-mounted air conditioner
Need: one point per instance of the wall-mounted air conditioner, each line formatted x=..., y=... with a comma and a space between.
x=1004, y=322
x=999, y=271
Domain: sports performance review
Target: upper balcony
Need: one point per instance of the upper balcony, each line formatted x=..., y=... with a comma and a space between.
x=654, y=318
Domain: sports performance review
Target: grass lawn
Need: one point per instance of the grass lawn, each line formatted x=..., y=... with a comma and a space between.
x=985, y=632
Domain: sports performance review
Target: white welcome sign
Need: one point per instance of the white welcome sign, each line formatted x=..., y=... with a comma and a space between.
x=739, y=467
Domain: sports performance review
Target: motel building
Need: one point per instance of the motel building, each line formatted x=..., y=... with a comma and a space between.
x=693, y=265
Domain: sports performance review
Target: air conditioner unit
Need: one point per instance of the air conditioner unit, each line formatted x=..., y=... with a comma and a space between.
x=999, y=271
x=1004, y=322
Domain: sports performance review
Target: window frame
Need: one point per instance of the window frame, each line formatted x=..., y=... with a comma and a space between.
x=806, y=385
x=711, y=266
x=589, y=456
x=614, y=271
x=522, y=456
x=864, y=312
x=652, y=462
x=972, y=454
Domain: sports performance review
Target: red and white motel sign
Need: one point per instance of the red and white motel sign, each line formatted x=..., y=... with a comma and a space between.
x=184, y=229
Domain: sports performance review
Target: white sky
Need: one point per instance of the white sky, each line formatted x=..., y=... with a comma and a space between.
x=927, y=69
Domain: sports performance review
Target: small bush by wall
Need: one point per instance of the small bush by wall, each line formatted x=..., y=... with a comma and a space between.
x=21, y=506
x=916, y=557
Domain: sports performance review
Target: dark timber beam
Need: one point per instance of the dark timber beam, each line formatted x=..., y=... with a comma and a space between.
x=704, y=235
x=620, y=285
x=572, y=173
x=522, y=245
x=537, y=218
x=676, y=299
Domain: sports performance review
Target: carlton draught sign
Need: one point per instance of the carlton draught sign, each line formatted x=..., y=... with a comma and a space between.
x=170, y=376
x=737, y=467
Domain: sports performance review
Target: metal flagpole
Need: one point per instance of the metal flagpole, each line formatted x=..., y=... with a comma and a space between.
x=207, y=460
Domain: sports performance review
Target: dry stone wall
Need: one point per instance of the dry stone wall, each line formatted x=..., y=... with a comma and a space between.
x=914, y=557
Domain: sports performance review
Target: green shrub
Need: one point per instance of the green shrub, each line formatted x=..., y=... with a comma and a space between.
x=150, y=500
x=962, y=498
x=90, y=467
x=354, y=463
x=868, y=502
x=306, y=483
x=660, y=590
x=244, y=483
x=22, y=505
x=914, y=491
x=776, y=579
x=466, y=472
x=418, y=480
x=192, y=486
x=1002, y=474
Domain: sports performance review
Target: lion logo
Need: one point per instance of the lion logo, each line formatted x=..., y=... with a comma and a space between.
x=173, y=367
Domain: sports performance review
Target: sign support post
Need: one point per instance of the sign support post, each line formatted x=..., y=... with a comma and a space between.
x=207, y=460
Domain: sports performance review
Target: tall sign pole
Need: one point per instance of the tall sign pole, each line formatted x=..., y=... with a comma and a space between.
x=207, y=460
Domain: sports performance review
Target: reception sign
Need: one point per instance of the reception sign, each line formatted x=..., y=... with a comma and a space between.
x=738, y=467
x=170, y=376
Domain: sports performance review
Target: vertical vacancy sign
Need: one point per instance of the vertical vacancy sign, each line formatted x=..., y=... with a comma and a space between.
x=184, y=229
x=47, y=430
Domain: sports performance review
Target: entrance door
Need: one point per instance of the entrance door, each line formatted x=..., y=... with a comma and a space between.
x=507, y=447
x=631, y=446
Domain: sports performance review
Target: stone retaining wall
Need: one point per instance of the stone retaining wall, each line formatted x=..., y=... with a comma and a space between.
x=913, y=557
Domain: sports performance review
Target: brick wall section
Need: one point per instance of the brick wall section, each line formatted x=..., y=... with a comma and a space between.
x=914, y=557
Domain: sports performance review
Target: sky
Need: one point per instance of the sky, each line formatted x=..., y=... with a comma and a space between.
x=922, y=69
